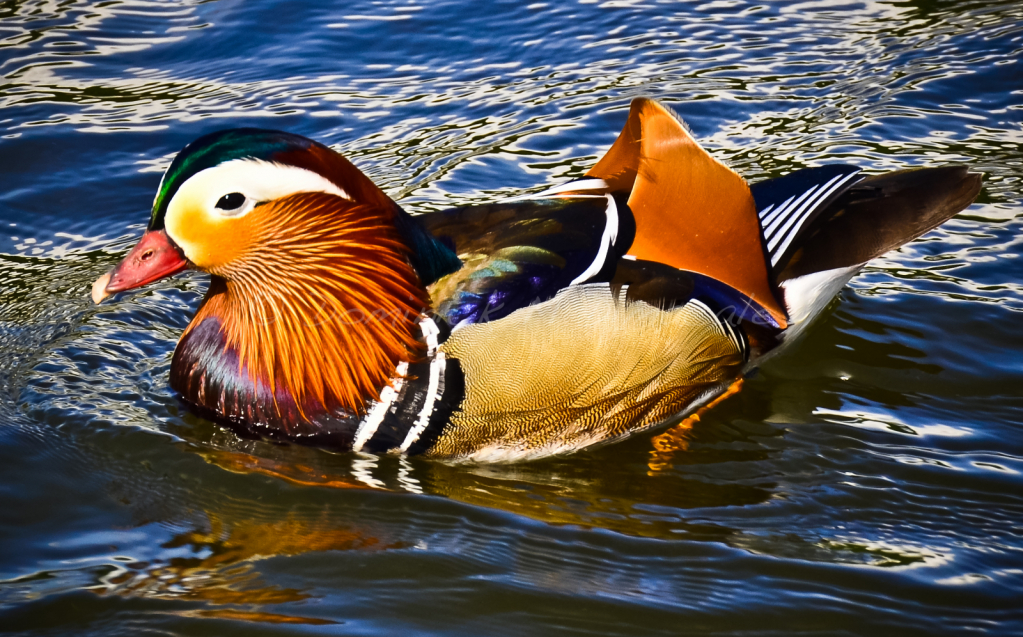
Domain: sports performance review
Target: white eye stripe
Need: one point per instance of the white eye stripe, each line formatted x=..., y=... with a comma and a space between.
x=257, y=180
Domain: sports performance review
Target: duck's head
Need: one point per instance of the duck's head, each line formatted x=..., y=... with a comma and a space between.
x=317, y=277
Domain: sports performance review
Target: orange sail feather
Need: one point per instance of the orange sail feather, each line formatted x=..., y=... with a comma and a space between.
x=692, y=212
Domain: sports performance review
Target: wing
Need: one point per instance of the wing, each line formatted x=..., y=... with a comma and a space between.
x=691, y=211
x=522, y=252
x=656, y=196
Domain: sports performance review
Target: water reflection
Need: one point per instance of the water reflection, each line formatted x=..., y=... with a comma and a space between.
x=543, y=492
x=211, y=571
x=216, y=564
x=557, y=493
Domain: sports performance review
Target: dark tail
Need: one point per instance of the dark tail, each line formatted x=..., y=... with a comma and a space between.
x=878, y=214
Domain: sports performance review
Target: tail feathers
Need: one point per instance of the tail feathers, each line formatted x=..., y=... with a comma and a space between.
x=788, y=206
x=873, y=216
x=878, y=214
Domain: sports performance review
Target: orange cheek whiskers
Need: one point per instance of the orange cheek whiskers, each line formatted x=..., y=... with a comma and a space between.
x=306, y=314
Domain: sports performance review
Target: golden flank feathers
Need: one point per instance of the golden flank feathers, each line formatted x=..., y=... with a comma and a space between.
x=583, y=368
x=319, y=301
x=692, y=212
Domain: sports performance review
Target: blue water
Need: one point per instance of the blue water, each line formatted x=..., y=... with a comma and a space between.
x=866, y=483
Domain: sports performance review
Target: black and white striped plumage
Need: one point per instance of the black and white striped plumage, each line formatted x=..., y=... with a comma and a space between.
x=788, y=205
x=410, y=414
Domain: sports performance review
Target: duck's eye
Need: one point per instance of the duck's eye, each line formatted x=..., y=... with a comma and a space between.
x=231, y=201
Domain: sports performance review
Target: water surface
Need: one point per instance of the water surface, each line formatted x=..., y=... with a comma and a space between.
x=869, y=482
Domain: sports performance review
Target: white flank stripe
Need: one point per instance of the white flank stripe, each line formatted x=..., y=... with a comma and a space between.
x=610, y=236
x=763, y=213
x=430, y=333
x=810, y=207
x=437, y=366
x=786, y=216
x=376, y=414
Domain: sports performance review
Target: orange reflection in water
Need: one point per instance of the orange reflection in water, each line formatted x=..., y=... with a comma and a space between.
x=677, y=438
x=222, y=572
x=295, y=473
x=256, y=616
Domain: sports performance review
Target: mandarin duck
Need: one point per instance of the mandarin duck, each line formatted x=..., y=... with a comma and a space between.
x=532, y=326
